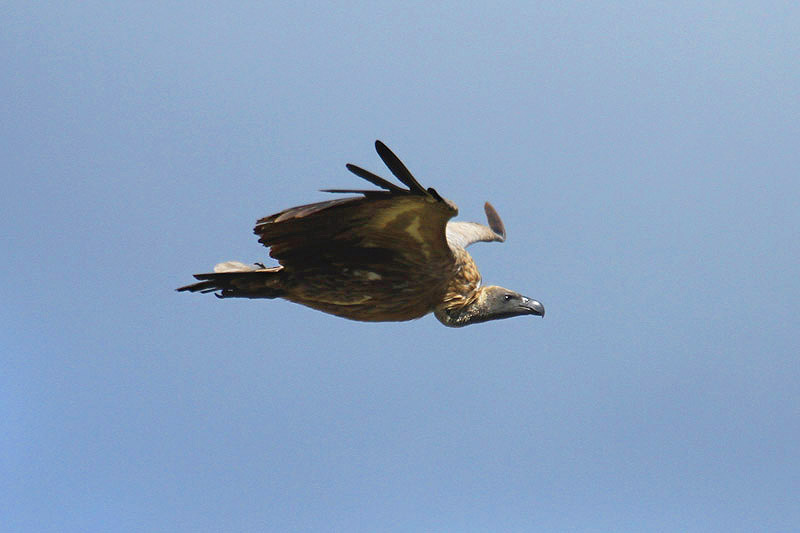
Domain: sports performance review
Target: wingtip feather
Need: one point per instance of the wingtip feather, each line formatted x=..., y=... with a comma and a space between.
x=397, y=168
x=495, y=222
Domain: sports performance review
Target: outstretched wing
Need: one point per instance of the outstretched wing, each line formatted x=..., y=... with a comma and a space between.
x=462, y=234
x=384, y=230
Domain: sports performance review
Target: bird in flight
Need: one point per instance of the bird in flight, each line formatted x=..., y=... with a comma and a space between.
x=390, y=254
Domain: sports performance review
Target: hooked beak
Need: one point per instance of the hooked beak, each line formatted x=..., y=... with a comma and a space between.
x=532, y=307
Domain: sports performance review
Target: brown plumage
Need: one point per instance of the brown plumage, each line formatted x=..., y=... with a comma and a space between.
x=387, y=255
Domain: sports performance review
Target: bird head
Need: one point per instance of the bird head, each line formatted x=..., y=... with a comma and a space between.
x=499, y=302
x=491, y=303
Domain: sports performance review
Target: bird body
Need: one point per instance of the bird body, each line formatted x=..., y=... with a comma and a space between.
x=388, y=255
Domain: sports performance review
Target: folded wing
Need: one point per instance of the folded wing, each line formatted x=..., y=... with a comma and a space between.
x=393, y=236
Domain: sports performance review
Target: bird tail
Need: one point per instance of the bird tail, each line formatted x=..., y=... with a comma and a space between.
x=233, y=279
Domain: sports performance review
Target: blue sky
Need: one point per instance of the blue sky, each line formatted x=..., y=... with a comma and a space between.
x=644, y=159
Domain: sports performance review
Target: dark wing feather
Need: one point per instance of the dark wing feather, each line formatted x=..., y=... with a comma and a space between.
x=495, y=222
x=398, y=168
x=373, y=178
x=367, y=193
x=303, y=211
x=402, y=173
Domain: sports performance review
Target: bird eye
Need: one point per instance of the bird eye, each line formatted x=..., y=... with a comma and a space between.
x=507, y=297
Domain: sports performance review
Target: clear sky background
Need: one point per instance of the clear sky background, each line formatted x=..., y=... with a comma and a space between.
x=645, y=158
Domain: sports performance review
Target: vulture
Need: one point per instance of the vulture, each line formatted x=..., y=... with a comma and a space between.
x=389, y=254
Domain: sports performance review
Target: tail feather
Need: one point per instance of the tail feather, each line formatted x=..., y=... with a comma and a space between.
x=237, y=280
